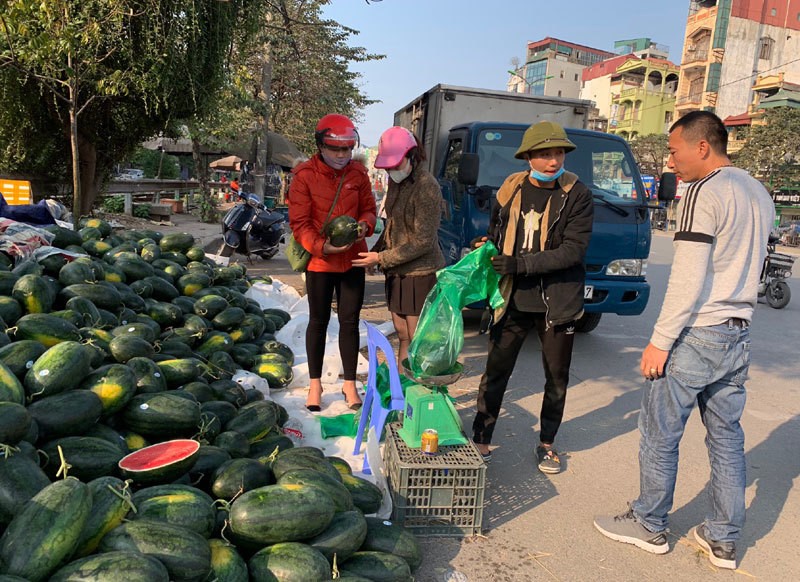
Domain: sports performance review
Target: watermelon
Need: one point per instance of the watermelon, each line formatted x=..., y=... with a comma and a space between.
x=289, y=562
x=343, y=537
x=279, y=513
x=160, y=463
x=366, y=496
x=226, y=563
x=59, y=368
x=238, y=476
x=377, y=566
x=342, y=500
x=128, y=566
x=181, y=505
x=342, y=230
x=20, y=479
x=15, y=422
x=392, y=538
x=185, y=553
x=162, y=414
x=46, y=531
x=110, y=505
x=88, y=457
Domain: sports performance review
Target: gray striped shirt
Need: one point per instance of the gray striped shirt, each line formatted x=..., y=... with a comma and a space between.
x=724, y=221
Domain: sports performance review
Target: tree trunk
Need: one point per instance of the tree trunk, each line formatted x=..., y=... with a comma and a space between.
x=208, y=206
x=264, y=155
x=89, y=178
x=73, y=140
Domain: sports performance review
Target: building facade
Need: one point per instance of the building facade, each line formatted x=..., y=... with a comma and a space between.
x=635, y=95
x=728, y=45
x=554, y=68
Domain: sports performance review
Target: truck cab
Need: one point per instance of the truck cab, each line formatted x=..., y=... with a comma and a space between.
x=477, y=158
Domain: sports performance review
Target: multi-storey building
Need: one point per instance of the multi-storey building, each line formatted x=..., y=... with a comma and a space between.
x=635, y=95
x=728, y=45
x=554, y=67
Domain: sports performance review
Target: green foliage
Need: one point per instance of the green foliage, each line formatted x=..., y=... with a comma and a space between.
x=772, y=151
x=114, y=204
x=124, y=69
x=149, y=160
x=141, y=210
x=651, y=152
x=311, y=74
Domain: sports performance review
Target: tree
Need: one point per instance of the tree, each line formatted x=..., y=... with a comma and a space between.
x=772, y=151
x=651, y=152
x=100, y=76
x=290, y=74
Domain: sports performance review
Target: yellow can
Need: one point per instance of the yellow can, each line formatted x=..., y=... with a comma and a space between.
x=430, y=442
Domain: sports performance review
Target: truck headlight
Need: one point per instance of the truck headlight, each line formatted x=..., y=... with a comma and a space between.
x=627, y=268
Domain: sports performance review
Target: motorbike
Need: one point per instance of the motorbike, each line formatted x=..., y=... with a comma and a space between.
x=777, y=268
x=249, y=228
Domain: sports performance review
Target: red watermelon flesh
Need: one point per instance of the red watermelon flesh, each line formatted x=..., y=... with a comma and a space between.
x=161, y=462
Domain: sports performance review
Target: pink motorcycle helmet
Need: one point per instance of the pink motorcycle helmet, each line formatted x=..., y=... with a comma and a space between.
x=393, y=146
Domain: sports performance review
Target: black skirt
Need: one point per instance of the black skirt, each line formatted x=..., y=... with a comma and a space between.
x=405, y=295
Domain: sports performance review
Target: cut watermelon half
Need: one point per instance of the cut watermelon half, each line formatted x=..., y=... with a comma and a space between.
x=160, y=463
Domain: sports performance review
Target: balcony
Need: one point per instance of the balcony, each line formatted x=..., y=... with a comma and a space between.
x=695, y=56
x=625, y=124
x=691, y=99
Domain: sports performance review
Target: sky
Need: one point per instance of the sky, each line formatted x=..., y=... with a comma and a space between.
x=471, y=43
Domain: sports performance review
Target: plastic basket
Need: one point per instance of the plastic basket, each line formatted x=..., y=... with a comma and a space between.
x=435, y=495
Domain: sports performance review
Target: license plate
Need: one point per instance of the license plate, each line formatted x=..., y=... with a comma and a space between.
x=588, y=292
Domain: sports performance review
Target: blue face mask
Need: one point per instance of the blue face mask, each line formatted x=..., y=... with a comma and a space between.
x=538, y=176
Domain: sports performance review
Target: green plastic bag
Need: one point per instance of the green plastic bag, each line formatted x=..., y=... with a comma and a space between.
x=341, y=425
x=440, y=331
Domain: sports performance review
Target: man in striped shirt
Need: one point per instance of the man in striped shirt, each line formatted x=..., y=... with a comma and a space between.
x=699, y=351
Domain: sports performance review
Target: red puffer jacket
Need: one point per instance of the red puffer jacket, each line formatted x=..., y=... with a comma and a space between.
x=311, y=194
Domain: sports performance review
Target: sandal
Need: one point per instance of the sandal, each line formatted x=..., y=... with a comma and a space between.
x=313, y=406
x=353, y=404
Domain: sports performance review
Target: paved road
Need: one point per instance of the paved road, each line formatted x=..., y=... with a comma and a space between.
x=540, y=528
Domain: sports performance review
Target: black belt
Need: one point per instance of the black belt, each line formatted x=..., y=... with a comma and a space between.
x=738, y=322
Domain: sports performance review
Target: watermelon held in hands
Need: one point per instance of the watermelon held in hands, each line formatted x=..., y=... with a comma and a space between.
x=160, y=463
x=342, y=231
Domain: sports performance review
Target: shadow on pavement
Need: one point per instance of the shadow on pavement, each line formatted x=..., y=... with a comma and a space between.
x=773, y=475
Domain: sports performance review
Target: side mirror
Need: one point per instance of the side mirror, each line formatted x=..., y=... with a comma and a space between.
x=667, y=187
x=468, y=169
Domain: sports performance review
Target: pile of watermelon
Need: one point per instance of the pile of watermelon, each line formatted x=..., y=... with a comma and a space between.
x=127, y=452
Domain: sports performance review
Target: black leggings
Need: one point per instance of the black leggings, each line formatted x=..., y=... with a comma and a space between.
x=505, y=342
x=349, y=288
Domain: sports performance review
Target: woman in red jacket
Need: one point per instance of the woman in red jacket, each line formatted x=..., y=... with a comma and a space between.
x=312, y=195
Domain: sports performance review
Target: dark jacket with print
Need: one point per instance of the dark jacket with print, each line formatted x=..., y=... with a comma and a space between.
x=565, y=232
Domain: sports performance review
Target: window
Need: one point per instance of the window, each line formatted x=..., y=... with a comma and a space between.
x=773, y=12
x=765, y=48
x=559, y=93
x=452, y=161
x=561, y=74
x=576, y=76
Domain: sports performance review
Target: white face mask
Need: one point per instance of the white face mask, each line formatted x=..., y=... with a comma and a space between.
x=398, y=175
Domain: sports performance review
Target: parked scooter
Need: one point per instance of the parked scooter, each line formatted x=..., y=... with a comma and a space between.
x=777, y=268
x=249, y=228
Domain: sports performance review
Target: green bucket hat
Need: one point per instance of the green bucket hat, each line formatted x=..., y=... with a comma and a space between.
x=544, y=135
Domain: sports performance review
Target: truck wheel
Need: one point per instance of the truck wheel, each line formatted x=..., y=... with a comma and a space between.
x=588, y=322
x=778, y=294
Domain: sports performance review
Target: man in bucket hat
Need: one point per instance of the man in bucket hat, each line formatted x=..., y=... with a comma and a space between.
x=541, y=222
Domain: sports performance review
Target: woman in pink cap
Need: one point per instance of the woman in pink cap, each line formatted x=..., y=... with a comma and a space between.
x=408, y=250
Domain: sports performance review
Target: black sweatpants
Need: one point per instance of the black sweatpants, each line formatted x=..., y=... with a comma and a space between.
x=349, y=289
x=505, y=342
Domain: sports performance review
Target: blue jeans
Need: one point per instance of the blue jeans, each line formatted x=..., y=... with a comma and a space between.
x=707, y=365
